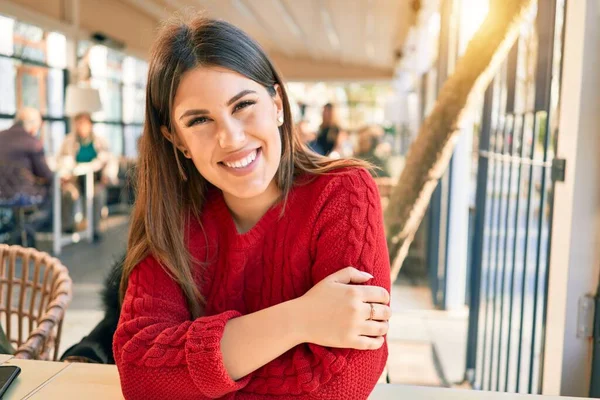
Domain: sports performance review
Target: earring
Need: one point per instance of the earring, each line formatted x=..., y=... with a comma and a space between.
x=280, y=119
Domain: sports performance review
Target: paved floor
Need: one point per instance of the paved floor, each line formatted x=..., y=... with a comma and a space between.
x=427, y=347
x=425, y=339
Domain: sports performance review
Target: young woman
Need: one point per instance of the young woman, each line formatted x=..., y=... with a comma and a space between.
x=237, y=281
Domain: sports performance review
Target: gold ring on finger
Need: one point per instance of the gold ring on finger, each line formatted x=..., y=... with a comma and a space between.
x=372, y=314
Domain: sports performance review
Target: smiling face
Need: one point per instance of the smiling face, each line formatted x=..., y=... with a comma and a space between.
x=228, y=126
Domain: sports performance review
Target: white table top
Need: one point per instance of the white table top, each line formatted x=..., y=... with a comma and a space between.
x=57, y=380
x=60, y=381
x=78, y=169
x=397, y=392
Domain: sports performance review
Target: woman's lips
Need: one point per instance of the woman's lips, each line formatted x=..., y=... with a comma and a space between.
x=243, y=169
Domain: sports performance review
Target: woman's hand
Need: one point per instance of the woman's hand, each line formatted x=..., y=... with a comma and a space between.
x=337, y=312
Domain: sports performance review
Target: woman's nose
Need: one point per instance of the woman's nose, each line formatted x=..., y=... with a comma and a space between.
x=231, y=134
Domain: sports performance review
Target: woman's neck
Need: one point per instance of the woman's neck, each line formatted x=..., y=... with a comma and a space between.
x=84, y=141
x=247, y=212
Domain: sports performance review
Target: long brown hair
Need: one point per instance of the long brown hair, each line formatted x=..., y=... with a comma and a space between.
x=169, y=187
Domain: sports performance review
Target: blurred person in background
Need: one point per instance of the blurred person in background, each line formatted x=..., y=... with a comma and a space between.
x=372, y=149
x=328, y=136
x=24, y=174
x=343, y=147
x=83, y=146
x=307, y=136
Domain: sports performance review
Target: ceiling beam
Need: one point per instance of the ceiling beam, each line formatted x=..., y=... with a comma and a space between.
x=370, y=30
x=246, y=10
x=329, y=27
x=177, y=5
x=149, y=7
x=406, y=19
x=289, y=19
x=299, y=32
x=306, y=69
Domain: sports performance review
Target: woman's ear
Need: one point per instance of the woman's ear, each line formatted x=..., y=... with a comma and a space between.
x=278, y=98
x=175, y=140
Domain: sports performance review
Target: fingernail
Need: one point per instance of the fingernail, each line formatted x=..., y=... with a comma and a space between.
x=367, y=275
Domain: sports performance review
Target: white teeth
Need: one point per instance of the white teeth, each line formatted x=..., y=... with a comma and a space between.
x=244, y=162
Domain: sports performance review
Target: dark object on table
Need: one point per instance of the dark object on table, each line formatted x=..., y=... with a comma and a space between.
x=8, y=373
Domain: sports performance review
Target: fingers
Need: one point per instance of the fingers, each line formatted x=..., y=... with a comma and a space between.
x=350, y=275
x=369, y=343
x=380, y=312
x=373, y=294
x=374, y=328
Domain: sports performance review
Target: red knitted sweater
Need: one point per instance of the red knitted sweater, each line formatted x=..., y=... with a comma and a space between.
x=329, y=223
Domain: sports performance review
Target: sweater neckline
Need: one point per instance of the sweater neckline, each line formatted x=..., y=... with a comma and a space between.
x=252, y=237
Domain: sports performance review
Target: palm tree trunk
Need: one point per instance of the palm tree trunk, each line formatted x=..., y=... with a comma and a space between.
x=432, y=149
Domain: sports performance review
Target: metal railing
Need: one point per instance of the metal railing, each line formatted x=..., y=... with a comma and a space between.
x=511, y=242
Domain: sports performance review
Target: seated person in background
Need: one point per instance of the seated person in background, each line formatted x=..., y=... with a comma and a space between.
x=305, y=133
x=307, y=136
x=327, y=138
x=343, y=146
x=83, y=146
x=371, y=149
x=24, y=175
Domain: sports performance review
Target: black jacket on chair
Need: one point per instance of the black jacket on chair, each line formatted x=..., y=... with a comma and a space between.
x=96, y=347
x=23, y=167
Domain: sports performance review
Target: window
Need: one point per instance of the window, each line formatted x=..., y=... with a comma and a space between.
x=132, y=136
x=6, y=35
x=8, y=100
x=5, y=124
x=32, y=63
x=52, y=134
x=121, y=81
x=56, y=89
x=113, y=133
x=29, y=42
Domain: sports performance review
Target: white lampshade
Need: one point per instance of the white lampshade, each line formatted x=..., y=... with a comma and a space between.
x=82, y=100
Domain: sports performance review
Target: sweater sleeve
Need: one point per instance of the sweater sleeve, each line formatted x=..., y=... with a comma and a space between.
x=159, y=351
x=348, y=232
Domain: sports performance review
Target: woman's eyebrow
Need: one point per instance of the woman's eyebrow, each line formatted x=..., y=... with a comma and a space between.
x=189, y=113
x=239, y=96
x=235, y=98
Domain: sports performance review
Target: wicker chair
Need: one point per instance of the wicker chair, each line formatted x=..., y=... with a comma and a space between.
x=35, y=290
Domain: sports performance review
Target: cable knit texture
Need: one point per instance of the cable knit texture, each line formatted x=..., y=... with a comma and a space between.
x=330, y=222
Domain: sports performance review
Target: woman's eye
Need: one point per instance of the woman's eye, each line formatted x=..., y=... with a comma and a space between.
x=243, y=104
x=197, y=121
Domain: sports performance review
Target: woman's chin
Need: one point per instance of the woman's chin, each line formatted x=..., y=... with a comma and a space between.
x=248, y=192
